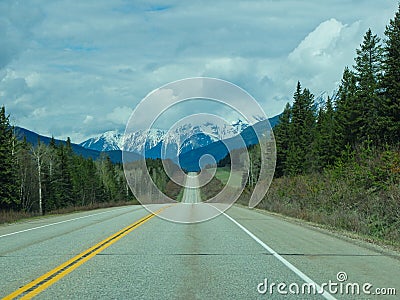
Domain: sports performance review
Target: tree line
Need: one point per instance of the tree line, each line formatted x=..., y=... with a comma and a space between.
x=339, y=164
x=365, y=110
x=45, y=178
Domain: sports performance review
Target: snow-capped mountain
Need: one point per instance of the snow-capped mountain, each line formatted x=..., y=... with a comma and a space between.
x=141, y=140
x=107, y=141
x=178, y=140
x=320, y=101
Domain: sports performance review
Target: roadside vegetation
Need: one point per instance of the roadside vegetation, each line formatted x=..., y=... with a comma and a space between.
x=214, y=187
x=339, y=165
x=162, y=181
x=43, y=179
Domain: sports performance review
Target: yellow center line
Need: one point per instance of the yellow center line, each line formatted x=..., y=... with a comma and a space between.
x=43, y=282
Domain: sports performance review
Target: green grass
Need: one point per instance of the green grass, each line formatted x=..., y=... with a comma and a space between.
x=222, y=174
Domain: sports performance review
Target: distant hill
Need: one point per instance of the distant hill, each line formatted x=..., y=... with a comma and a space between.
x=198, y=145
x=32, y=138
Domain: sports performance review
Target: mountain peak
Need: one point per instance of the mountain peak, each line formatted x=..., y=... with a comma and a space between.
x=107, y=141
x=183, y=138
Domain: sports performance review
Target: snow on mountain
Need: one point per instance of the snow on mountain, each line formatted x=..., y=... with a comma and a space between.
x=141, y=140
x=188, y=136
x=107, y=141
x=320, y=101
x=176, y=141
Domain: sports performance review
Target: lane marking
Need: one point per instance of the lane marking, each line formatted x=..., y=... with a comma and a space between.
x=65, y=221
x=299, y=273
x=43, y=282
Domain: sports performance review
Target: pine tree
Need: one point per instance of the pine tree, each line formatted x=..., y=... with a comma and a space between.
x=302, y=133
x=368, y=71
x=282, y=138
x=64, y=191
x=8, y=179
x=325, y=138
x=346, y=111
x=390, y=108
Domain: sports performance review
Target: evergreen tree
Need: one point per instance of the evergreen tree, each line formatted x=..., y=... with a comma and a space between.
x=65, y=184
x=301, y=157
x=58, y=183
x=346, y=111
x=325, y=137
x=390, y=108
x=282, y=138
x=8, y=179
x=368, y=71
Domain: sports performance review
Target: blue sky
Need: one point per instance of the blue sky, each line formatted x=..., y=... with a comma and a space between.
x=78, y=68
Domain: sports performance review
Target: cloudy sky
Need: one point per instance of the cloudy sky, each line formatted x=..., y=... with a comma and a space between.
x=78, y=68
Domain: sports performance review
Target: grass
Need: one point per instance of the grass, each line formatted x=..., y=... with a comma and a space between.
x=222, y=174
x=336, y=203
x=11, y=216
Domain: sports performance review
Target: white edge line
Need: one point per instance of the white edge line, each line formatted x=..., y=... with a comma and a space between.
x=65, y=221
x=303, y=276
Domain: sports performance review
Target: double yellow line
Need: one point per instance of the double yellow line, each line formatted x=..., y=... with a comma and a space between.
x=43, y=282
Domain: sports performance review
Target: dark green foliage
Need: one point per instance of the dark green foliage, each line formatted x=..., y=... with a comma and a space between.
x=368, y=71
x=346, y=115
x=300, y=155
x=389, y=112
x=325, y=139
x=356, y=183
x=282, y=138
x=8, y=178
x=54, y=175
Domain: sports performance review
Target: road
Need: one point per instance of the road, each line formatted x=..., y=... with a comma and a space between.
x=228, y=257
x=191, y=195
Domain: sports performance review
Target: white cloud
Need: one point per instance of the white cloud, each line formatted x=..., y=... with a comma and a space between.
x=88, y=119
x=319, y=45
x=100, y=58
x=319, y=60
x=39, y=112
x=119, y=115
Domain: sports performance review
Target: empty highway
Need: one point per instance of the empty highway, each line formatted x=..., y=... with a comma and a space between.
x=127, y=253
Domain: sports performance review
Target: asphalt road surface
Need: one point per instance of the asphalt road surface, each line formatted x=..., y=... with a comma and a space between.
x=125, y=253
x=191, y=194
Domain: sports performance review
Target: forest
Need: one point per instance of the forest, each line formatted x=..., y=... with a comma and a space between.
x=52, y=178
x=339, y=165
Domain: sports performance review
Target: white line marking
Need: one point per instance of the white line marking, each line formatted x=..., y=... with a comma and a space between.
x=65, y=221
x=303, y=276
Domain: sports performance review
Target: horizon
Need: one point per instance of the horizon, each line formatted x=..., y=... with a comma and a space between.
x=121, y=132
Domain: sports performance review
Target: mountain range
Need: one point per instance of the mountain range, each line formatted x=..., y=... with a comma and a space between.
x=190, y=142
x=186, y=137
